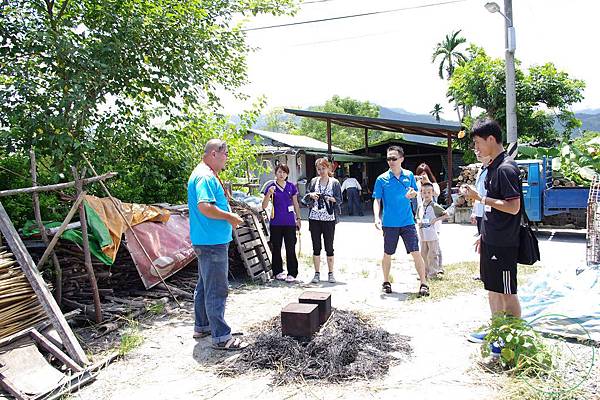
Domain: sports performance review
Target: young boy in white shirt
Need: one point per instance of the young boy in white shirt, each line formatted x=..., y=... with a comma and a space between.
x=429, y=219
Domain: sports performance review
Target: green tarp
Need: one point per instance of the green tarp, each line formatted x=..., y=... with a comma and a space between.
x=98, y=233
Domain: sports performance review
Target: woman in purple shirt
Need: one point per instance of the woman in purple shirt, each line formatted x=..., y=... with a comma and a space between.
x=285, y=220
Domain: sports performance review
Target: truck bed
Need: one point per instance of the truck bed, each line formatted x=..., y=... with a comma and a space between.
x=558, y=200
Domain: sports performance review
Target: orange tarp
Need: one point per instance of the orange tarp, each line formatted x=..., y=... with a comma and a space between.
x=134, y=213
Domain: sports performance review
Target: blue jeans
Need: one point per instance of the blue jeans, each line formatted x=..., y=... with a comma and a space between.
x=211, y=291
x=354, y=205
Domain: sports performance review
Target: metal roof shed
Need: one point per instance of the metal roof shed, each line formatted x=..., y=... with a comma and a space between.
x=447, y=131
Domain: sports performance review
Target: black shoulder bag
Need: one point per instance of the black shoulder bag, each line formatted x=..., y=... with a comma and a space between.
x=529, y=250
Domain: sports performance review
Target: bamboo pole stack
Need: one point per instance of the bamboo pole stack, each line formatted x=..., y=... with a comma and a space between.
x=19, y=306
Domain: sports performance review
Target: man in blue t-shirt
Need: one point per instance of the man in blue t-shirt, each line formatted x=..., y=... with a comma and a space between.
x=395, y=188
x=211, y=223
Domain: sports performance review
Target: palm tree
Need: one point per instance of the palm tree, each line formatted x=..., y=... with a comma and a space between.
x=451, y=57
x=435, y=113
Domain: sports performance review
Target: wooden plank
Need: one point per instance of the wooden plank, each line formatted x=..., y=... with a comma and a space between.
x=251, y=273
x=58, y=186
x=41, y=289
x=265, y=242
x=48, y=345
x=251, y=244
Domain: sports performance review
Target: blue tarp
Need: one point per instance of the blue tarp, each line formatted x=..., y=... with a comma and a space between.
x=563, y=302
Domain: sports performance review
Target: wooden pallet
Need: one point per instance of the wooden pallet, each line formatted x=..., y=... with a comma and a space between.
x=252, y=241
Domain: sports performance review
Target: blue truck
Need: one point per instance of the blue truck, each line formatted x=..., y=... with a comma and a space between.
x=542, y=199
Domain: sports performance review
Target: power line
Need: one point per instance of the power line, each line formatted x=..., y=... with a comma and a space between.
x=353, y=15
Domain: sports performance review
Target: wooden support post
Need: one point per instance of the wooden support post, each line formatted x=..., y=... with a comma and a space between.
x=38, y=219
x=86, y=246
x=41, y=289
x=329, y=139
x=449, y=185
x=365, y=171
x=61, y=229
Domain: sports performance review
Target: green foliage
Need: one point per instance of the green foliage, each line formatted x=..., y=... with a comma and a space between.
x=435, y=112
x=156, y=308
x=133, y=84
x=577, y=160
x=523, y=350
x=276, y=120
x=542, y=92
x=344, y=137
x=130, y=338
x=450, y=56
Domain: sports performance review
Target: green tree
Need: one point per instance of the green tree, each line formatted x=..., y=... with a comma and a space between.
x=435, y=112
x=451, y=57
x=133, y=83
x=543, y=92
x=344, y=137
x=276, y=120
x=76, y=73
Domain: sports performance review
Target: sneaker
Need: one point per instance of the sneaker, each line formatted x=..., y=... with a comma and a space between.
x=316, y=278
x=495, y=349
x=386, y=287
x=331, y=278
x=477, y=337
x=290, y=279
x=281, y=276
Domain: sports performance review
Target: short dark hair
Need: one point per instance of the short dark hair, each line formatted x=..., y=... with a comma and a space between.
x=284, y=168
x=487, y=127
x=426, y=184
x=396, y=148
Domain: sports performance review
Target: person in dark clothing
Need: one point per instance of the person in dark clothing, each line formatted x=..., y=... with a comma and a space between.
x=499, y=239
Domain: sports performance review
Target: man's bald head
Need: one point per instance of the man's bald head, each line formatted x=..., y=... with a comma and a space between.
x=217, y=145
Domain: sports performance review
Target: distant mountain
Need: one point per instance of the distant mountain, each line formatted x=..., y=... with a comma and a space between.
x=590, y=121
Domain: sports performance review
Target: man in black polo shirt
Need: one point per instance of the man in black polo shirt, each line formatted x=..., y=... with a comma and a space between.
x=499, y=239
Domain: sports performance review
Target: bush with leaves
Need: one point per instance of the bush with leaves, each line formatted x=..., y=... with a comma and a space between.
x=523, y=350
x=577, y=160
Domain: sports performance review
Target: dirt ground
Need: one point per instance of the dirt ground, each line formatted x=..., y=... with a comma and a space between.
x=171, y=364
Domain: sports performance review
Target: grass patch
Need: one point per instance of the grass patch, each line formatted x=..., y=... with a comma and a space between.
x=130, y=338
x=156, y=308
x=458, y=278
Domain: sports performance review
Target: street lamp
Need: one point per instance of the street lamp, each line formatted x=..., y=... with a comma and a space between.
x=511, y=95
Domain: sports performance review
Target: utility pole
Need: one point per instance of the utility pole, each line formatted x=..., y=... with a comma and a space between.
x=511, y=94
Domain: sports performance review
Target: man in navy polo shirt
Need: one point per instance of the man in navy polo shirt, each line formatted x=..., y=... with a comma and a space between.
x=395, y=188
x=211, y=224
x=499, y=240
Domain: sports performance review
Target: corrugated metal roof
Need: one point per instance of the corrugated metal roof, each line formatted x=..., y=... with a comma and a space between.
x=297, y=141
x=382, y=124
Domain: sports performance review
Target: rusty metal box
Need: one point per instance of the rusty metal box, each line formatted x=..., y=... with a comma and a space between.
x=299, y=320
x=321, y=299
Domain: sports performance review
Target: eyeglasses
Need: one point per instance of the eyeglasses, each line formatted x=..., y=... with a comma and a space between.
x=392, y=159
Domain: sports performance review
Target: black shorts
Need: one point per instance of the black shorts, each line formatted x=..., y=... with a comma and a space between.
x=391, y=235
x=498, y=268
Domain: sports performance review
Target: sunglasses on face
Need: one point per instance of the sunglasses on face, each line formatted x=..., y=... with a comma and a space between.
x=392, y=158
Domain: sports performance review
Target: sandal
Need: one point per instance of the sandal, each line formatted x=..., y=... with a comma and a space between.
x=386, y=287
x=232, y=344
x=423, y=290
x=200, y=335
